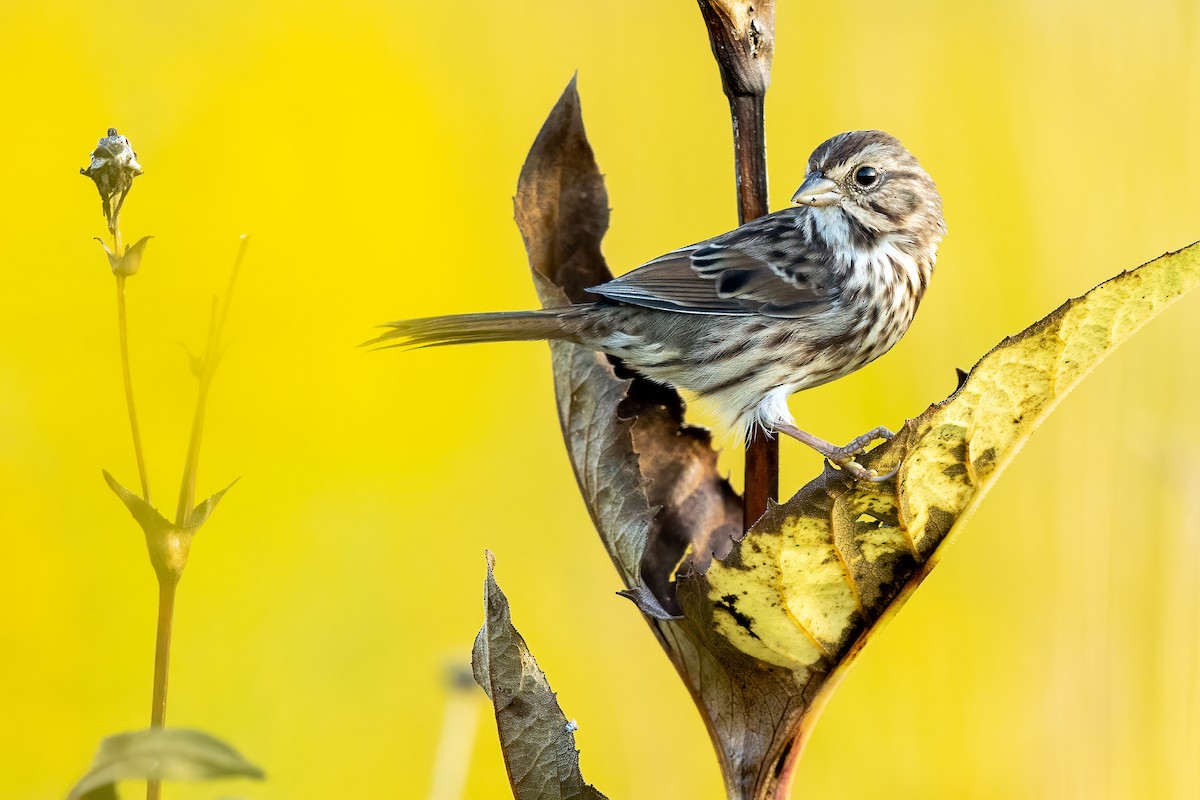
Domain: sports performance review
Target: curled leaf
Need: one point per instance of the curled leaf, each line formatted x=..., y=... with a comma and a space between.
x=113, y=260
x=649, y=481
x=537, y=740
x=168, y=754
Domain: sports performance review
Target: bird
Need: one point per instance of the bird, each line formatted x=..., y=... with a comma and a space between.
x=785, y=302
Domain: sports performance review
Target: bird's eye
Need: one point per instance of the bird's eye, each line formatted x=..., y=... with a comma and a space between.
x=866, y=176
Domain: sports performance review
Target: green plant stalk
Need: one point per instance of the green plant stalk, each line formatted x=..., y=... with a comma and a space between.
x=191, y=466
x=123, y=335
x=162, y=650
x=166, y=584
x=162, y=657
x=183, y=511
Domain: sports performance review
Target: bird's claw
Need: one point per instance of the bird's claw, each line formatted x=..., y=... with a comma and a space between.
x=843, y=457
x=861, y=473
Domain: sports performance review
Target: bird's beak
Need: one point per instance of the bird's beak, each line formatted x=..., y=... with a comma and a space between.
x=816, y=190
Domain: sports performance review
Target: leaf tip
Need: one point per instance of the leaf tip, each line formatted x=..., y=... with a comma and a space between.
x=647, y=603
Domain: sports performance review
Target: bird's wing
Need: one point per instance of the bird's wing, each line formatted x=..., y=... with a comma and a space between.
x=765, y=270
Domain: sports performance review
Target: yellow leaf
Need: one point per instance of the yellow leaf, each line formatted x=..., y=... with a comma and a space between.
x=818, y=575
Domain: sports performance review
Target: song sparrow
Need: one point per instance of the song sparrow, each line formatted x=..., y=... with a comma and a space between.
x=788, y=301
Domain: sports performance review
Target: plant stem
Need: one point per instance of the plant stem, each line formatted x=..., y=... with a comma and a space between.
x=166, y=584
x=123, y=331
x=750, y=158
x=162, y=657
x=187, y=497
x=742, y=35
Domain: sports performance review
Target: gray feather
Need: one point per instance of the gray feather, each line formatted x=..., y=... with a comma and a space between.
x=766, y=268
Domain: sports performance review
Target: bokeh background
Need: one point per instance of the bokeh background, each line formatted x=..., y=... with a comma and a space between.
x=372, y=149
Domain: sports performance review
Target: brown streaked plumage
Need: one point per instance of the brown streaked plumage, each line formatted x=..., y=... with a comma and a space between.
x=788, y=301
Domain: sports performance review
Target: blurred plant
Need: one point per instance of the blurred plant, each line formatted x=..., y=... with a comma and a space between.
x=761, y=625
x=459, y=723
x=113, y=167
x=158, y=754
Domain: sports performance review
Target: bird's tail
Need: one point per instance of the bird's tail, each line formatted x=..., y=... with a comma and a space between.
x=504, y=326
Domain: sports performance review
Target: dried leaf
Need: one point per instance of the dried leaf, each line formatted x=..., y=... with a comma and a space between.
x=168, y=754
x=538, y=742
x=112, y=167
x=632, y=454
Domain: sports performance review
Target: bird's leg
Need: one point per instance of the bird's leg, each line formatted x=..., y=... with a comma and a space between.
x=843, y=457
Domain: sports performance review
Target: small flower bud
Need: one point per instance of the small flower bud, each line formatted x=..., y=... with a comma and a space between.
x=113, y=167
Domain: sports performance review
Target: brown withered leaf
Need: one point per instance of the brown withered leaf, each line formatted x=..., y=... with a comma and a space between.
x=537, y=741
x=650, y=482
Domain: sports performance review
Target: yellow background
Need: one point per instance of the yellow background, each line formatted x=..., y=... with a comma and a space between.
x=372, y=149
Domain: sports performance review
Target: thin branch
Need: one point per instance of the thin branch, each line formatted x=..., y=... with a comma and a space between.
x=191, y=465
x=212, y=355
x=742, y=36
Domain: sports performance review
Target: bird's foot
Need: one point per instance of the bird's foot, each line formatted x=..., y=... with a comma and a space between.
x=843, y=457
x=858, y=446
x=861, y=473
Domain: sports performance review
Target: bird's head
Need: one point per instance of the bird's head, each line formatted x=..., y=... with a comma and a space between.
x=877, y=184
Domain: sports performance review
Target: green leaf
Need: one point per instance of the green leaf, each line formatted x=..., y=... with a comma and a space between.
x=168, y=754
x=202, y=512
x=168, y=544
x=131, y=259
x=195, y=362
x=145, y=514
x=537, y=741
x=112, y=257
